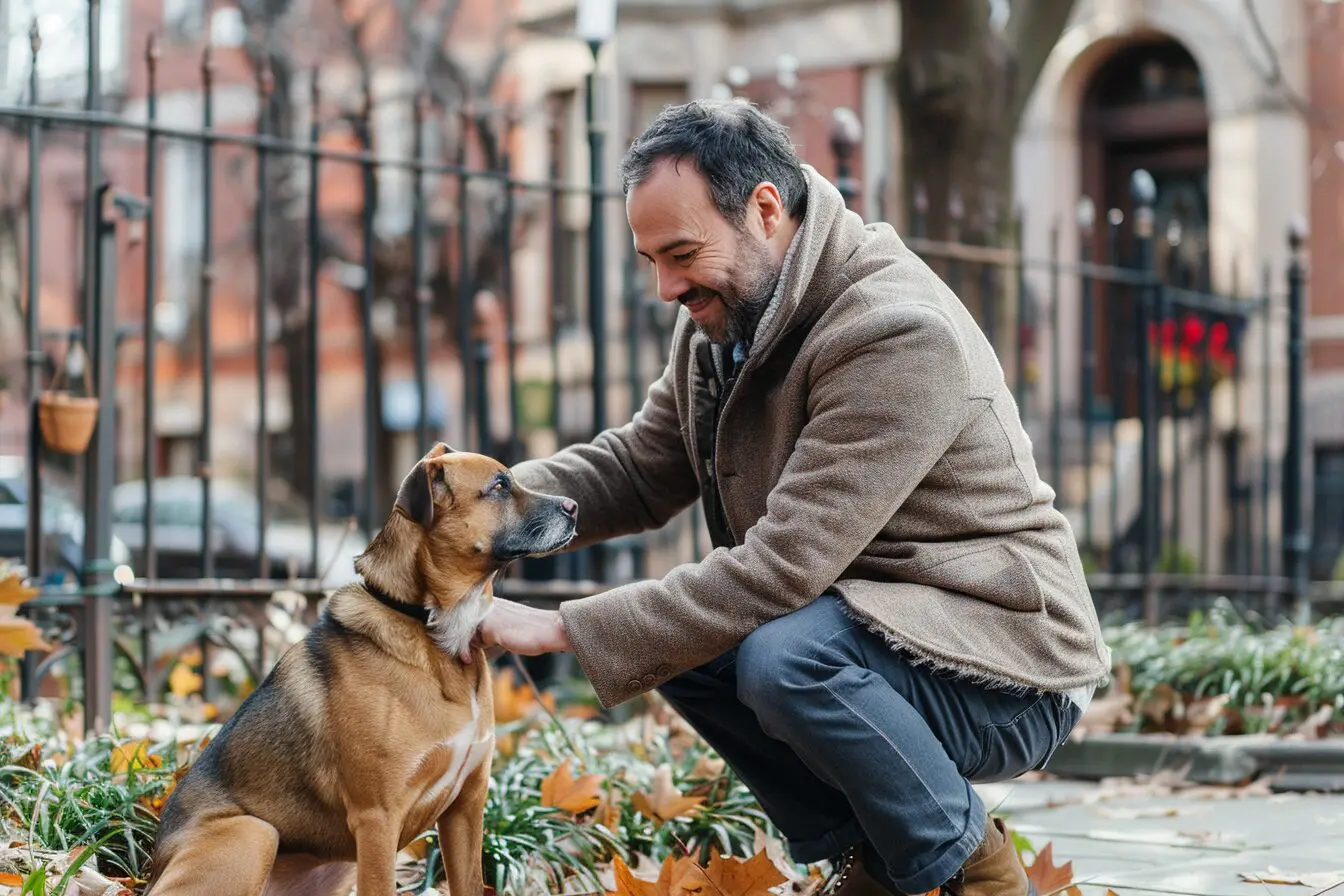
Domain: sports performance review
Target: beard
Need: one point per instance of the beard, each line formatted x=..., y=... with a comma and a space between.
x=747, y=293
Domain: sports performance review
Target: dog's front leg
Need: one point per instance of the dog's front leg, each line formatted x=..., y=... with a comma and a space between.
x=375, y=853
x=461, y=834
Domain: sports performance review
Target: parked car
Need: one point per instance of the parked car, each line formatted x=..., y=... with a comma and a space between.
x=62, y=522
x=234, y=508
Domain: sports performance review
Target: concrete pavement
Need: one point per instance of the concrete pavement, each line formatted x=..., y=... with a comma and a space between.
x=1159, y=835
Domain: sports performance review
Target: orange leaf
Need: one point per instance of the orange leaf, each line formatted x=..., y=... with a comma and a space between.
x=183, y=681
x=665, y=801
x=18, y=635
x=735, y=877
x=563, y=791
x=515, y=702
x=133, y=754
x=629, y=885
x=1050, y=878
x=11, y=880
x=13, y=592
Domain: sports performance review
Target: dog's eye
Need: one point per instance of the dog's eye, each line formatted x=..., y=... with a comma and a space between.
x=501, y=486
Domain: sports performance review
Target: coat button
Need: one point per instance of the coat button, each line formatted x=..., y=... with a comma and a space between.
x=633, y=684
x=649, y=679
x=663, y=671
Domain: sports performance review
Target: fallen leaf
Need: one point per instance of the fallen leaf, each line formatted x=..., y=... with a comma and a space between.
x=708, y=767
x=665, y=801
x=11, y=880
x=1273, y=875
x=1050, y=878
x=1313, y=726
x=133, y=754
x=563, y=791
x=13, y=592
x=737, y=877
x=609, y=807
x=1105, y=715
x=183, y=682
x=678, y=877
x=514, y=702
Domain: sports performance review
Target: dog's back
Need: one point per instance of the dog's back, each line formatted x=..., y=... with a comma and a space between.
x=264, y=761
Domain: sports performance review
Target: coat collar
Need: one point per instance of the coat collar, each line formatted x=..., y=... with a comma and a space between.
x=828, y=233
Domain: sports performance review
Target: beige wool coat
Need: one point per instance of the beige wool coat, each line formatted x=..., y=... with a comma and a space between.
x=871, y=447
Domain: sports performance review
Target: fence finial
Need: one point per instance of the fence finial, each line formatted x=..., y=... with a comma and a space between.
x=152, y=52
x=1297, y=234
x=34, y=38
x=208, y=64
x=1143, y=189
x=1086, y=214
x=315, y=89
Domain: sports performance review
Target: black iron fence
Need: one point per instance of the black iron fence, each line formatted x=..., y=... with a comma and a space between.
x=1151, y=397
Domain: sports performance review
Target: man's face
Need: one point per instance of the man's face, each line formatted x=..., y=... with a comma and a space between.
x=724, y=275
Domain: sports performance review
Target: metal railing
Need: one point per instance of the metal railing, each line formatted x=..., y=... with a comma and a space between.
x=1169, y=435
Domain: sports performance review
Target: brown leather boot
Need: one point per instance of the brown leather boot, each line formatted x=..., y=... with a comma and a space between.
x=852, y=879
x=993, y=869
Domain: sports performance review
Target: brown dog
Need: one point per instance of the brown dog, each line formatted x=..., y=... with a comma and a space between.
x=371, y=730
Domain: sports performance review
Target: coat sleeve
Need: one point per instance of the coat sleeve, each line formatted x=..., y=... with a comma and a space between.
x=885, y=405
x=628, y=479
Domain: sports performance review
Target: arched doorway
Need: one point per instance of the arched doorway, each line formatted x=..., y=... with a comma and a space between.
x=1144, y=107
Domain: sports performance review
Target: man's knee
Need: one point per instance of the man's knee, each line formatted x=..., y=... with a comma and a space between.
x=780, y=660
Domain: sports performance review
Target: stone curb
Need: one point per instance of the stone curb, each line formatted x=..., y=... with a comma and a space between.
x=1293, y=765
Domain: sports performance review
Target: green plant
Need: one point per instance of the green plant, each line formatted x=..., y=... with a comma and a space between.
x=1272, y=676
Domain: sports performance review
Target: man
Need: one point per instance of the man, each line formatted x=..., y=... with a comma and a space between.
x=893, y=607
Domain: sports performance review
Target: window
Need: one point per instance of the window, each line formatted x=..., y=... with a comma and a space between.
x=62, y=62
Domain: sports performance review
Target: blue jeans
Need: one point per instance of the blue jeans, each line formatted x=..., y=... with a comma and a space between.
x=844, y=741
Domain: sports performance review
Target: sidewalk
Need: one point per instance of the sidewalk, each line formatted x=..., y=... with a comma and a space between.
x=1160, y=836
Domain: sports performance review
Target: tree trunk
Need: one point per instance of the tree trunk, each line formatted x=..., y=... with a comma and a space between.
x=962, y=83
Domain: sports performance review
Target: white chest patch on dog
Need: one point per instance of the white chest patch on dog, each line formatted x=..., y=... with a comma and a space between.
x=452, y=629
x=466, y=751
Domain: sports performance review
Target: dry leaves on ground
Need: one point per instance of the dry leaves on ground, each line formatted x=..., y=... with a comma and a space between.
x=664, y=801
x=85, y=879
x=1049, y=877
x=686, y=877
x=575, y=795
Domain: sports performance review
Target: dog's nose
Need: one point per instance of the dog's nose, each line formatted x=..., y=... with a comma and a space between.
x=570, y=507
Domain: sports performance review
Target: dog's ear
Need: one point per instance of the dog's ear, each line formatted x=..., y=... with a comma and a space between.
x=415, y=498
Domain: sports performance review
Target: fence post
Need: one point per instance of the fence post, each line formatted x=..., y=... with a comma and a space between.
x=597, y=280
x=100, y=329
x=1143, y=190
x=1087, y=215
x=1296, y=540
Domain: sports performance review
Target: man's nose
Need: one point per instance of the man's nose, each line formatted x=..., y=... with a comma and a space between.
x=671, y=286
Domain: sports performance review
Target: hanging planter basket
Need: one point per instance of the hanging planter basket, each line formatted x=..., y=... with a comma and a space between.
x=67, y=421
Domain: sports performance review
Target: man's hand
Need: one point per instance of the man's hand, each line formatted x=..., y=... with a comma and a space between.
x=520, y=629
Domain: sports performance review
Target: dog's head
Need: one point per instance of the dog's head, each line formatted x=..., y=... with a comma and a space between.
x=462, y=516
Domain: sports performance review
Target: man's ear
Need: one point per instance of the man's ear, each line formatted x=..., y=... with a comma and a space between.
x=415, y=498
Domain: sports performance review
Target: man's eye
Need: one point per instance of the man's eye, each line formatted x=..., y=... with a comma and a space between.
x=683, y=258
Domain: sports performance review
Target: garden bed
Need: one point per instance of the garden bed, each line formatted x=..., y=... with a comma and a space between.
x=1225, y=696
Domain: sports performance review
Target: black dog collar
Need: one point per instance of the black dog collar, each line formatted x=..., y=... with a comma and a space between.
x=420, y=614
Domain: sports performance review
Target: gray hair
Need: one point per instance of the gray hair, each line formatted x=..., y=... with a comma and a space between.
x=733, y=144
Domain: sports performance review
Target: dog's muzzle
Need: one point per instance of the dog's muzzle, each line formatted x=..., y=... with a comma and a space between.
x=549, y=526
